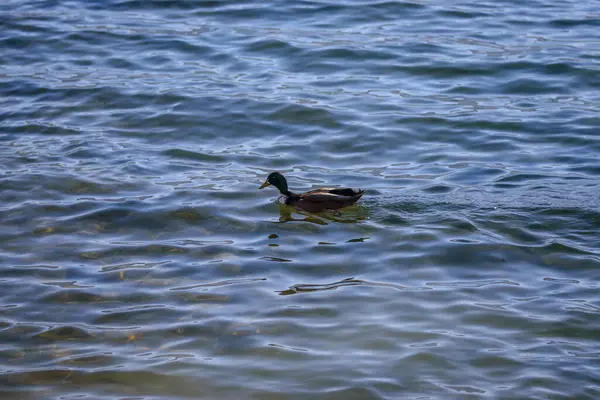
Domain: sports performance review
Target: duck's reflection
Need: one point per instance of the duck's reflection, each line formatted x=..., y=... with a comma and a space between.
x=350, y=215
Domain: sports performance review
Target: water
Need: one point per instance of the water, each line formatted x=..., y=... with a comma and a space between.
x=138, y=260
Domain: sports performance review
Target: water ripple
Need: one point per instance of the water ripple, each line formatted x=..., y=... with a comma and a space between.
x=140, y=260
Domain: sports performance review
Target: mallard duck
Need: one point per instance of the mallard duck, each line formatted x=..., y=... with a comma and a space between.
x=314, y=201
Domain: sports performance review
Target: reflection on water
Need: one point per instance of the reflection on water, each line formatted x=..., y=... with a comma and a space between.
x=346, y=215
x=298, y=288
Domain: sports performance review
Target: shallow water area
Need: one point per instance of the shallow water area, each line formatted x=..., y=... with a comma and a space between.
x=139, y=260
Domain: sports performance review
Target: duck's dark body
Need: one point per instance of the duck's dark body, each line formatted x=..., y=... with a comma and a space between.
x=324, y=199
x=317, y=200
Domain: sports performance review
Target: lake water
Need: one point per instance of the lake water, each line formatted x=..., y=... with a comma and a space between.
x=138, y=260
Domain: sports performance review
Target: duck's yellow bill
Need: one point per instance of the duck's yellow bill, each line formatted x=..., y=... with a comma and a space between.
x=264, y=185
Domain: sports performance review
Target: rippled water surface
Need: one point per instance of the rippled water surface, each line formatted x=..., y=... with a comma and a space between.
x=138, y=260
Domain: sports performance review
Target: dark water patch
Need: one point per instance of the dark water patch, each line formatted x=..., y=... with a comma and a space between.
x=560, y=68
x=109, y=215
x=100, y=37
x=275, y=259
x=135, y=315
x=463, y=14
x=571, y=23
x=40, y=129
x=178, y=47
x=494, y=146
x=590, y=170
x=447, y=71
x=22, y=88
x=519, y=177
x=155, y=250
x=557, y=246
x=205, y=298
x=65, y=333
x=582, y=215
x=438, y=189
x=84, y=297
x=346, y=54
x=299, y=114
x=559, y=280
x=68, y=285
x=111, y=380
x=473, y=174
x=273, y=47
x=191, y=155
x=121, y=63
x=133, y=265
x=159, y=4
x=529, y=86
x=89, y=361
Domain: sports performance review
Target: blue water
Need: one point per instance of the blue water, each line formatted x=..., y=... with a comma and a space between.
x=138, y=260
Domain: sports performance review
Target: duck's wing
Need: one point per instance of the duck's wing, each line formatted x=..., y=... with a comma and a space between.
x=340, y=191
x=319, y=200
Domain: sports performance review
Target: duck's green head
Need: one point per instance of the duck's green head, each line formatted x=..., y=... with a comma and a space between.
x=277, y=180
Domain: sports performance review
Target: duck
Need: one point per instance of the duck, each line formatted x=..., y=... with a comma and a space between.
x=314, y=201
